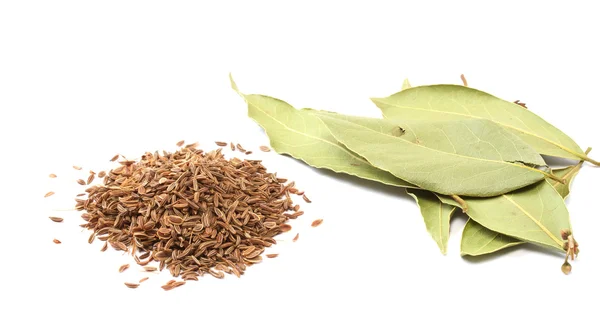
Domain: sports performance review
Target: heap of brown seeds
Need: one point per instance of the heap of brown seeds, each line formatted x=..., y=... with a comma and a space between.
x=192, y=212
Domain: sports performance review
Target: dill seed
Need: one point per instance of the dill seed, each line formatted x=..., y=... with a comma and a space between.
x=52, y=176
x=316, y=223
x=81, y=182
x=240, y=148
x=296, y=237
x=232, y=146
x=48, y=194
x=123, y=268
x=144, y=279
x=90, y=179
x=79, y=195
x=56, y=241
x=131, y=285
x=306, y=199
x=265, y=149
x=102, y=174
x=221, y=143
x=56, y=219
x=272, y=256
x=77, y=168
x=248, y=152
x=150, y=269
x=285, y=227
x=180, y=143
x=115, y=158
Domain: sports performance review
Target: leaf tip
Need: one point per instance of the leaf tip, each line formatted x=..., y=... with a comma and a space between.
x=233, y=84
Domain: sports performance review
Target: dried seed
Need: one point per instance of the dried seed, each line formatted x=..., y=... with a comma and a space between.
x=56, y=219
x=144, y=279
x=285, y=227
x=180, y=143
x=306, y=199
x=82, y=194
x=56, y=241
x=316, y=223
x=115, y=157
x=123, y=268
x=221, y=143
x=102, y=174
x=265, y=149
x=90, y=179
x=296, y=237
x=150, y=269
x=131, y=285
x=232, y=146
x=104, y=247
x=52, y=176
x=48, y=194
x=81, y=182
x=248, y=152
x=77, y=167
x=272, y=256
x=240, y=148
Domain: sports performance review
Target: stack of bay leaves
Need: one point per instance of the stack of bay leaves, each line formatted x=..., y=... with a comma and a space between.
x=449, y=146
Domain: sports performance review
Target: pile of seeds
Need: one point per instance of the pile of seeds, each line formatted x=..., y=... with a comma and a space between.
x=193, y=212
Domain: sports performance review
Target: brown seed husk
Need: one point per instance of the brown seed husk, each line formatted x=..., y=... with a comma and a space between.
x=77, y=168
x=316, y=223
x=102, y=174
x=221, y=143
x=265, y=149
x=144, y=279
x=296, y=237
x=131, y=285
x=56, y=241
x=196, y=213
x=81, y=182
x=56, y=219
x=48, y=194
x=123, y=268
x=180, y=143
x=306, y=199
x=52, y=176
x=272, y=256
x=115, y=157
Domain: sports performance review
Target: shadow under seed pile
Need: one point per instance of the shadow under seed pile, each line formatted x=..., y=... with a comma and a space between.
x=194, y=212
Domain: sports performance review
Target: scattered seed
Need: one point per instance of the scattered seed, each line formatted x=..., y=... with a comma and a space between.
x=115, y=157
x=180, y=143
x=48, y=194
x=285, y=227
x=81, y=182
x=296, y=237
x=232, y=146
x=56, y=219
x=150, y=269
x=102, y=174
x=82, y=194
x=272, y=256
x=77, y=167
x=316, y=223
x=240, y=148
x=265, y=149
x=248, y=152
x=306, y=199
x=52, y=176
x=144, y=279
x=221, y=143
x=131, y=285
x=105, y=247
x=90, y=179
x=56, y=241
x=123, y=268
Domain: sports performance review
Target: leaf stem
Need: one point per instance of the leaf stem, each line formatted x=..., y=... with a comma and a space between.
x=462, y=203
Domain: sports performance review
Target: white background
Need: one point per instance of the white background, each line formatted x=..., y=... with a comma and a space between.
x=83, y=80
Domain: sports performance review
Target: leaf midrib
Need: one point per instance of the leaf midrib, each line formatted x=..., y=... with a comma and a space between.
x=442, y=152
x=476, y=117
x=538, y=223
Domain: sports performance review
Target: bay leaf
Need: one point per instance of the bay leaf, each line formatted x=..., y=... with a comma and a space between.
x=535, y=214
x=466, y=157
x=454, y=102
x=303, y=136
x=435, y=214
x=478, y=240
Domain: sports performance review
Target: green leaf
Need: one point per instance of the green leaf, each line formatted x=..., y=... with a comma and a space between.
x=478, y=240
x=406, y=84
x=303, y=136
x=534, y=214
x=453, y=102
x=466, y=157
x=435, y=214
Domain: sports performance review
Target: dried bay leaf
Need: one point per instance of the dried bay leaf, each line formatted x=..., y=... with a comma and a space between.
x=454, y=102
x=465, y=157
x=300, y=134
x=435, y=214
x=478, y=240
x=534, y=214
